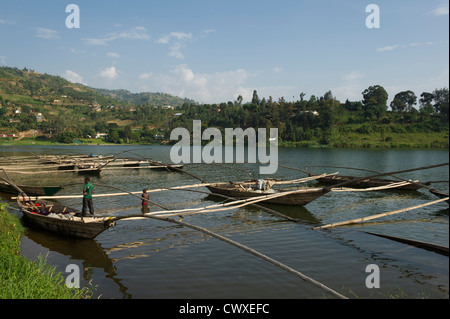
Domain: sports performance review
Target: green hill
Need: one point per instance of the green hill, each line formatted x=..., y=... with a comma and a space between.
x=146, y=98
x=49, y=108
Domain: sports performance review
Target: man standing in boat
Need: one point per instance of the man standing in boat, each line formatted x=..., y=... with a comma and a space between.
x=146, y=197
x=87, y=196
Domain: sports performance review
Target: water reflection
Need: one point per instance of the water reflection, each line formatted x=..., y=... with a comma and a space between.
x=89, y=252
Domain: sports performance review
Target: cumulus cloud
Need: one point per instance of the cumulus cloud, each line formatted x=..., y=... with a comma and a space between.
x=73, y=77
x=47, y=33
x=204, y=87
x=109, y=73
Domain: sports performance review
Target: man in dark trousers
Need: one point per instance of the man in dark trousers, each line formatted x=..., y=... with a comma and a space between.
x=87, y=196
x=146, y=197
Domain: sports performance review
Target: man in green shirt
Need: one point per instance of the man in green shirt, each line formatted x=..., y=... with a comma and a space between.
x=87, y=196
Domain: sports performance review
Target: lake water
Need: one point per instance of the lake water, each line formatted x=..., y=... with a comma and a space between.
x=155, y=259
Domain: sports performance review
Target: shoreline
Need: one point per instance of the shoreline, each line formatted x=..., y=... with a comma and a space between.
x=302, y=144
x=21, y=278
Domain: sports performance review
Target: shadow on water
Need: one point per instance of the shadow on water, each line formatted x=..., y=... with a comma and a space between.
x=88, y=251
x=300, y=213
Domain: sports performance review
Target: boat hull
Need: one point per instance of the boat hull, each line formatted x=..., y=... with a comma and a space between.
x=300, y=199
x=30, y=190
x=368, y=183
x=77, y=227
x=439, y=194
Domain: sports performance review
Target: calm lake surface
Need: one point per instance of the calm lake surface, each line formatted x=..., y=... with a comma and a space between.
x=155, y=259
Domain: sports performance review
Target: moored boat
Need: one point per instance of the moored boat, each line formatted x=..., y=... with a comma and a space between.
x=30, y=190
x=366, y=183
x=61, y=219
x=242, y=191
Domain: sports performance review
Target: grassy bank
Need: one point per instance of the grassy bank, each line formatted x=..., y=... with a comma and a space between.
x=21, y=278
x=391, y=140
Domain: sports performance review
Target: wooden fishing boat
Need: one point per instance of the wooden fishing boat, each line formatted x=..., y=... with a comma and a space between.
x=61, y=219
x=242, y=191
x=30, y=190
x=367, y=183
x=439, y=194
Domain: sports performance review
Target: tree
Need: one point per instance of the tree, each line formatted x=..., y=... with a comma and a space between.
x=328, y=96
x=441, y=99
x=375, y=98
x=403, y=101
x=255, y=98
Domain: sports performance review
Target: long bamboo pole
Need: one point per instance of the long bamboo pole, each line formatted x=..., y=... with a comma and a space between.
x=381, y=174
x=359, y=220
x=253, y=252
x=425, y=185
x=296, y=181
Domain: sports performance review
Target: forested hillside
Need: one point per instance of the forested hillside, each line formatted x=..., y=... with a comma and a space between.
x=58, y=110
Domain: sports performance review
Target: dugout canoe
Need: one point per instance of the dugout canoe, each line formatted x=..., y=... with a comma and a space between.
x=239, y=191
x=367, y=183
x=61, y=219
x=30, y=190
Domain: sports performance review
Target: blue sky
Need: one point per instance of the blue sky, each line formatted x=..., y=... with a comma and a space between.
x=212, y=51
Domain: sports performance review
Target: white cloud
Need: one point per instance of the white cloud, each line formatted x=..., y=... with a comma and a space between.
x=403, y=46
x=277, y=69
x=73, y=77
x=145, y=76
x=109, y=73
x=441, y=10
x=352, y=76
x=177, y=39
x=206, y=32
x=204, y=87
x=388, y=48
x=3, y=21
x=174, y=35
x=2, y=59
x=137, y=33
x=113, y=55
x=47, y=33
x=351, y=87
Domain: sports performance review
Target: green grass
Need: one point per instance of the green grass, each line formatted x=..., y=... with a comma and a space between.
x=377, y=140
x=21, y=278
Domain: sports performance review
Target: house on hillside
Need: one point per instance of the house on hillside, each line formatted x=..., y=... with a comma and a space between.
x=101, y=135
